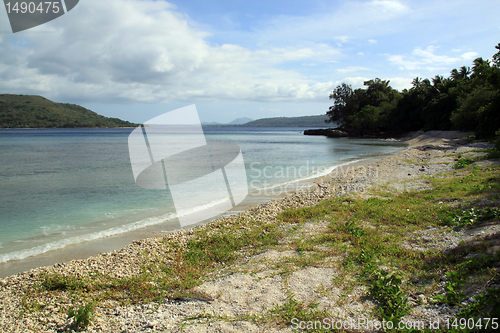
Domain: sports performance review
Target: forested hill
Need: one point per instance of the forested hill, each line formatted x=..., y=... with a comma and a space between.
x=305, y=121
x=22, y=111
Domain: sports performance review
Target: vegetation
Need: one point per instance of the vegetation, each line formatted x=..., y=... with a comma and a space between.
x=82, y=315
x=26, y=111
x=468, y=100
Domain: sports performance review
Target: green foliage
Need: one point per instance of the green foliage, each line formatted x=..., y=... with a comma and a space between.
x=486, y=304
x=223, y=247
x=462, y=162
x=300, y=312
x=453, y=289
x=83, y=315
x=298, y=214
x=344, y=104
x=467, y=100
x=454, y=293
x=61, y=282
x=472, y=216
x=386, y=288
x=22, y=111
x=354, y=230
x=363, y=111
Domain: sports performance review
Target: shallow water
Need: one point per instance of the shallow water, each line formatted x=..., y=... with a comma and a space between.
x=63, y=187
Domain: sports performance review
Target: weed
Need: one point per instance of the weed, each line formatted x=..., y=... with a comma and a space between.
x=300, y=214
x=294, y=311
x=472, y=216
x=83, y=315
x=486, y=304
x=386, y=288
x=453, y=289
x=61, y=282
x=462, y=162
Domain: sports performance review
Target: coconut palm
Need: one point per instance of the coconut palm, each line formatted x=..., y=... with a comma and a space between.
x=465, y=72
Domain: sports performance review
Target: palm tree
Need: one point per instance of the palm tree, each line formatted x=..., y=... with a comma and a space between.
x=465, y=72
x=460, y=75
x=479, y=65
x=454, y=74
x=438, y=79
x=416, y=82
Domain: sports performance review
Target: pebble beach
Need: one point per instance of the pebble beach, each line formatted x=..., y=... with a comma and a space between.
x=252, y=283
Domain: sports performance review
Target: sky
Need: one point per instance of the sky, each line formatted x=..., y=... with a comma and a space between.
x=137, y=59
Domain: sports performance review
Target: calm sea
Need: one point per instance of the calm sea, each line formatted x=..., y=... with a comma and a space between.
x=60, y=187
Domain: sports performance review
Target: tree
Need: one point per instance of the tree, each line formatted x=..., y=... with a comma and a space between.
x=342, y=106
x=467, y=100
x=461, y=74
x=363, y=111
x=496, y=56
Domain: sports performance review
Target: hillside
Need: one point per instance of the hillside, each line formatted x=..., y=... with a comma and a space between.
x=21, y=111
x=305, y=121
x=240, y=121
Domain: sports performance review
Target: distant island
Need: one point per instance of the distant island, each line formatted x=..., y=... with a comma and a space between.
x=29, y=111
x=305, y=121
x=237, y=121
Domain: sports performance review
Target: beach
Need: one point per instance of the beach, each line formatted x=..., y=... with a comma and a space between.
x=236, y=292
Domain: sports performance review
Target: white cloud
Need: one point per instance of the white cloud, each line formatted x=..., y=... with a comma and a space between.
x=392, y=7
x=400, y=83
x=352, y=69
x=343, y=39
x=428, y=59
x=146, y=52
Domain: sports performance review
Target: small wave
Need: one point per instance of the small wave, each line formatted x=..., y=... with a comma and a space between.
x=57, y=245
x=185, y=212
x=322, y=171
x=60, y=244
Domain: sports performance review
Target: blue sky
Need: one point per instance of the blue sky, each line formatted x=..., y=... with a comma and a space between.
x=136, y=59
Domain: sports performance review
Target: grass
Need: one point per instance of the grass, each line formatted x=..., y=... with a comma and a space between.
x=369, y=234
x=365, y=235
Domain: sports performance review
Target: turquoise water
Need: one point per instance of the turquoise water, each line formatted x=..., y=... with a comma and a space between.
x=66, y=186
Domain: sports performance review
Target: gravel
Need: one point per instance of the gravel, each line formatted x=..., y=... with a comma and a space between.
x=256, y=282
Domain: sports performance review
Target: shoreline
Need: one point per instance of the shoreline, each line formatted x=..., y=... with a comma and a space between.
x=116, y=242
x=397, y=172
x=89, y=249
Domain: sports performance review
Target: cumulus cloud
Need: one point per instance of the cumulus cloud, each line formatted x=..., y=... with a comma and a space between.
x=145, y=51
x=428, y=59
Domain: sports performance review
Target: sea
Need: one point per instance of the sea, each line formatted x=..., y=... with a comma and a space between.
x=62, y=189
